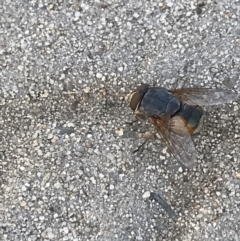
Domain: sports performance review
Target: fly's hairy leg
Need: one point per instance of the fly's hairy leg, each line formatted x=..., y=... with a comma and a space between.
x=138, y=117
x=132, y=122
x=147, y=136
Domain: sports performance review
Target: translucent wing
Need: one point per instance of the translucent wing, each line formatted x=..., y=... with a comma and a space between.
x=205, y=96
x=180, y=146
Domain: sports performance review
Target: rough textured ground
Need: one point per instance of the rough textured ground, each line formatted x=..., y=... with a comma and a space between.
x=67, y=171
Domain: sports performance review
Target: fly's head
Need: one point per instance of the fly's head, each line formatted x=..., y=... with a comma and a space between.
x=136, y=96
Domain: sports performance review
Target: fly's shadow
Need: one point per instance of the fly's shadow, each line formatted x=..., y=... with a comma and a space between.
x=168, y=209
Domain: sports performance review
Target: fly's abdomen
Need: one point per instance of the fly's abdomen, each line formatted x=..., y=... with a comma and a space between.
x=158, y=102
x=188, y=120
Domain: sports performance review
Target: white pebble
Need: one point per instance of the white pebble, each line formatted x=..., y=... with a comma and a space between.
x=93, y=180
x=120, y=69
x=77, y=15
x=101, y=175
x=65, y=229
x=135, y=15
x=146, y=195
x=39, y=152
x=51, y=234
x=99, y=75
x=23, y=203
x=119, y=132
x=57, y=185
x=87, y=89
x=20, y=67
x=24, y=189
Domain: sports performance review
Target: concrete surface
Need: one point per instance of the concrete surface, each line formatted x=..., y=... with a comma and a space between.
x=67, y=171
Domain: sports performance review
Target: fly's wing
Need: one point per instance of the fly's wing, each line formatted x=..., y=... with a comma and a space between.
x=205, y=96
x=181, y=147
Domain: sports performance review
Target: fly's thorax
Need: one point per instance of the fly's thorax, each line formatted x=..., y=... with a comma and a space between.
x=159, y=102
x=188, y=120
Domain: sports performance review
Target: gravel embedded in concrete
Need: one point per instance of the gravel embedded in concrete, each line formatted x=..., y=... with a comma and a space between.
x=67, y=171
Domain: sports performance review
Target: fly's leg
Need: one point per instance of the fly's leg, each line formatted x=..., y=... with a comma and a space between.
x=147, y=136
x=138, y=117
x=132, y=122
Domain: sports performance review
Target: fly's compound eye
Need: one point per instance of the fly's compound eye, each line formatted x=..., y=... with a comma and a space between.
x=136, y=97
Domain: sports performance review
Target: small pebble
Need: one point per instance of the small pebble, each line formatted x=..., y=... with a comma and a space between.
x=99, y=75
x=146, y=195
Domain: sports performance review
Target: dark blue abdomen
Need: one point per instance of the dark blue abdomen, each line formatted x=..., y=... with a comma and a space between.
x=191, y=114
x=158, y=101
